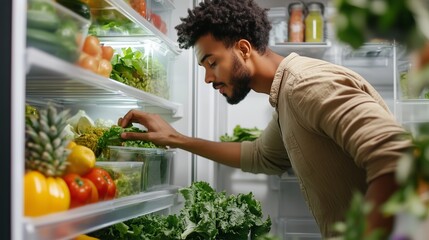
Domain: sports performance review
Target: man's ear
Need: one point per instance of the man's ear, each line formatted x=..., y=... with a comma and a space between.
x=244, y=47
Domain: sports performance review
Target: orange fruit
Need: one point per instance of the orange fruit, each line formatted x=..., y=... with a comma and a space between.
x=80, y=160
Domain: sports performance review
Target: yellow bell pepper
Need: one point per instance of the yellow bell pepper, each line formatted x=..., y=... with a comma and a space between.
x=44, y=195
x=85, y=237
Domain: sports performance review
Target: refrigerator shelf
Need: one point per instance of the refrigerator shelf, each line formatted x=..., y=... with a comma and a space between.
x=85, y=219
x=52, y=79
x=316, y=50
x=135, y=17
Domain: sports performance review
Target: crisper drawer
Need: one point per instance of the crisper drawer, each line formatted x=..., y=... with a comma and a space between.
x=291, y=203
x=298, y=229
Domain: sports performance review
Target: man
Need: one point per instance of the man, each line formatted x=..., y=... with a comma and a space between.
x=330, y=125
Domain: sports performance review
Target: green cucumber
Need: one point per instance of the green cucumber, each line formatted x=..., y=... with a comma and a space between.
x=52, y=44
x=42, y=20
x=78, y=7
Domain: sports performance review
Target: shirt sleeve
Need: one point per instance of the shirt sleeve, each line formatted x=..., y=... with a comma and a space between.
x=266, y=154
x=343, y=106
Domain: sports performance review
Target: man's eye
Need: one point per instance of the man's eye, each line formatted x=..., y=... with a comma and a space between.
x=212, y=65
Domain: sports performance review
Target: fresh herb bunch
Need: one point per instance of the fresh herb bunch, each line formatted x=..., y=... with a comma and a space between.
x=206, y=215
x=242, y=134
x=112, y=137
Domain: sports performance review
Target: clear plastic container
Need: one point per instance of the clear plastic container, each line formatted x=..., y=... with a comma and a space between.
x=277, y=17
x=55, y=29
x=156, y=168
x=299, y=229
x=126, y=175
x=108, y=21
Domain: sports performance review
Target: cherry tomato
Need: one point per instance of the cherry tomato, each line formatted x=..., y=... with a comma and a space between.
x=92, y=46
x=104, y=68
x=88, y=62
x=107, y=52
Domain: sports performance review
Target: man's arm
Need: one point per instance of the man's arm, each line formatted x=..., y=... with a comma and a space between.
x=163, y=134
x=379, y=191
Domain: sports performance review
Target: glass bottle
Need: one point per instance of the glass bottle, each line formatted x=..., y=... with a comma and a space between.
x=296, y=22
x=314, y=29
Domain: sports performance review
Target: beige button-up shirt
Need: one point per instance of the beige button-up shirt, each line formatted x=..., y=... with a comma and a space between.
x=332, y=128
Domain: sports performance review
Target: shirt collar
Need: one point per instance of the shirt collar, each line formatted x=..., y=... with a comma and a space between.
x=278, y=77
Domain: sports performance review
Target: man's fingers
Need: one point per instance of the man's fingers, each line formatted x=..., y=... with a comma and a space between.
x=133, y=116
x=134, y=136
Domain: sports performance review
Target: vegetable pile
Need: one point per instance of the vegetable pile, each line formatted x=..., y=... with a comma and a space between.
x=112, y=137
x=206, y=214
x=140, y=70
x=242, y=134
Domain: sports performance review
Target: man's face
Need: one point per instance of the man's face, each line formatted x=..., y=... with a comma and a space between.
x=223, y=69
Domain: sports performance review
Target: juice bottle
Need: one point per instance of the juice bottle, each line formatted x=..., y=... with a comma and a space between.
x=296, y=22
x=314, y=23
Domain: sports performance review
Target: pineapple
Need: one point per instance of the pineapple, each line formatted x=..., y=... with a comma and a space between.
x=46, y=143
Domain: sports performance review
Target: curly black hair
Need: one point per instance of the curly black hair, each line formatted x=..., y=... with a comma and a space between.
x=228, y=21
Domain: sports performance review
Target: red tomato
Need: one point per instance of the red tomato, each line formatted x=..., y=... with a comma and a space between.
x=156, y=20
x=104, y=68
x=94, y=193
x=139, y=6
x=89, y=62
x=92, y=46
x=107, y=52
x=81, y=191
x=103, y=182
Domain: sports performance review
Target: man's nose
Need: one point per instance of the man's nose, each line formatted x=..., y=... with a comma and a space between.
x=209, y=78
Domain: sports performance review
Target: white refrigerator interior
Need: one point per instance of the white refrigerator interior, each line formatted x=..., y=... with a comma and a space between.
x=39, y=77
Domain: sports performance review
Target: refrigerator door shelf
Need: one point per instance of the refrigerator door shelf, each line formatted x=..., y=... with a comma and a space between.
x=55, y=80
x=68, y=224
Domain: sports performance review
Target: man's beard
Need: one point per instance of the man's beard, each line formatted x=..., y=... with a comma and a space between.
x=240, y=81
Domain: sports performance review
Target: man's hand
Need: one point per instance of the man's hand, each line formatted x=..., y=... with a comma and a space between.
x=379, y=191
x=158, y=130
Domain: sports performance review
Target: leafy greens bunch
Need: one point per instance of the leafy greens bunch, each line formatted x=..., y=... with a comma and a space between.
x=206, y=214
x=140, y=70
x=241, y=134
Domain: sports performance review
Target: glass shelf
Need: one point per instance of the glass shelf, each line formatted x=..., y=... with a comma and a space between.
x=131, y=14
x=71, y=223
x=52, y=79
x=368, y=55
x=316, y=50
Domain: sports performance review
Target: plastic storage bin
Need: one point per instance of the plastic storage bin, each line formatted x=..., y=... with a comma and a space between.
x=299, y=229
x=55, y=29
x=156, y=167
x=108, y=21
x=295, y=219
x=126, y=175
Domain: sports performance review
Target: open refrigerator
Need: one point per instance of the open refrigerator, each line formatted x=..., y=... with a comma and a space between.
x=192, y=107
x=41, y=75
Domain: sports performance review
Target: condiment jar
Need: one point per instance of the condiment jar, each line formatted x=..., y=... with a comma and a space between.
x=296, y=22
x=314, y=23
